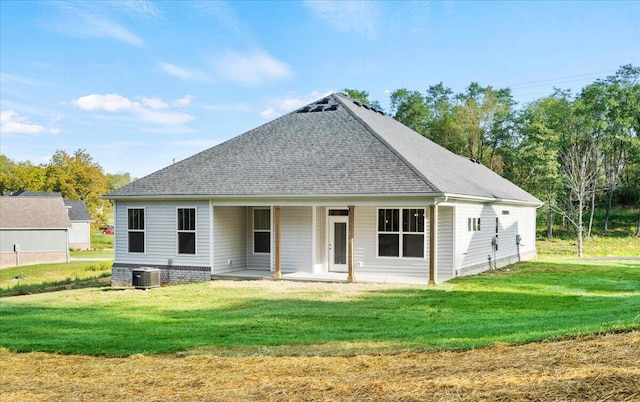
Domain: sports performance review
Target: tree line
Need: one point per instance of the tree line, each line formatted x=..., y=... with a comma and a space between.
x=76, y=176
x=576, y=152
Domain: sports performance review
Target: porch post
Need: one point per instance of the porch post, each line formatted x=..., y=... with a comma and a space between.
x=351, y=277
x=432, y=243
x=276, y=218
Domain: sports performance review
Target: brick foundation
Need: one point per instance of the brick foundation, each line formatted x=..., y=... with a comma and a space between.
x=121, y=274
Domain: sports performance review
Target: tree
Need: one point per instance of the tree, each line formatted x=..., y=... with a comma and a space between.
x=77, y=177
x=115, y=181
x=541, y=126
x=484, y=117
x=613, y=105
x=408, y=107
x=579, y=170
x=361, y=96
x=20, y=176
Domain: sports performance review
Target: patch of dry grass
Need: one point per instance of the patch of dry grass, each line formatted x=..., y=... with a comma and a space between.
x=601, y=367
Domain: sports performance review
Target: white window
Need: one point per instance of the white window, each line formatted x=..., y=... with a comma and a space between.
x=261, y=230
x=135, y=229
x=473, y=224
x=186, y=230
x=396, y=233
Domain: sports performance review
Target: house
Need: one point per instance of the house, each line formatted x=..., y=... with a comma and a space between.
x=334, y=190
x=80, y=232
x=33, y=230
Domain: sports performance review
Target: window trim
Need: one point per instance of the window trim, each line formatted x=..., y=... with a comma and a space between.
x=473, y=224
x=143, y=231
x=254, y=230
x=195, y=232
x=401, y=232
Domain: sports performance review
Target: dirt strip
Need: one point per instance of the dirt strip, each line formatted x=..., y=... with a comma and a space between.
x=593, y=368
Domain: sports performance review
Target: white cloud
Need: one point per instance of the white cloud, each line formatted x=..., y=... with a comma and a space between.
x=361, y=17
x=108, y=102
x=184, y=101
x=12, y=123
x=141, y=8
x=148, y=110
x=269, y=113
x=83, y=19
x=184, y=73
x=253, y=68
x=154, y=103
x=104, y=28
x=277, y=107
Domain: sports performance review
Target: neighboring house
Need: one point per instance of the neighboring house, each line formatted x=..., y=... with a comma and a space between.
x=33, y=230
x=333, y=190
x=80, y=232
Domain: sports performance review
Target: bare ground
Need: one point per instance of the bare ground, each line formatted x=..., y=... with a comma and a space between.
x=593, y=368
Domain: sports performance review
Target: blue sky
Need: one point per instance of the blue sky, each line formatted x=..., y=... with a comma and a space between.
x=141, y=84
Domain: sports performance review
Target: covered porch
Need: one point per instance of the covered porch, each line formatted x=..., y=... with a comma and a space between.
x=318, y=242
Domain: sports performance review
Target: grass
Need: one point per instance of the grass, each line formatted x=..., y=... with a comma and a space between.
x=594, y=246
x=529, y=302
x=101, y=241
x=38, y=278
x=102, y=253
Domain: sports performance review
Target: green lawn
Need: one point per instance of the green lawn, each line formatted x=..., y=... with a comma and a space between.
x=529, y=302
x=102, y=253
x=595, y=246
x=101, y=241
x=33, y=278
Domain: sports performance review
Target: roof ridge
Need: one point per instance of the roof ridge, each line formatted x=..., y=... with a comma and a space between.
x=384, y=142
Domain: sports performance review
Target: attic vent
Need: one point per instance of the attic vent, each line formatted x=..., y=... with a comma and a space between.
x=318, y=109
x=323, y=101
x=357, y=103
x=332, y=108
x=305, y=109
x=475, y=161
x=145, y=278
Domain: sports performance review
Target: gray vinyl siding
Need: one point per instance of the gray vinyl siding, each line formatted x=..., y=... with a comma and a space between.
x=297, y=240
x=473, y=249
x=257, y=260
x=230, y=240
x=366, y=248
x=444, y=269
x=80, y=235
x=33, y=239
x=161, y=239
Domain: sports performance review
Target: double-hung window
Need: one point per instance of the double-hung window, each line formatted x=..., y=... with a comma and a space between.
x=413, y=233
x=186, y=230
x=401, y=230
x=135, y=230
x=261, y=230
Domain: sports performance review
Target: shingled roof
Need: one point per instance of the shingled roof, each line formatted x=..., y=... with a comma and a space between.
x=332, y=147
x=33, y=213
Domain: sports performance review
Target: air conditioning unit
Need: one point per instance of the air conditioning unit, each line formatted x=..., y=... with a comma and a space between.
x=145, y=278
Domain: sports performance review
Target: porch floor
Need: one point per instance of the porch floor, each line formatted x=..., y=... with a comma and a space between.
x=255, y=274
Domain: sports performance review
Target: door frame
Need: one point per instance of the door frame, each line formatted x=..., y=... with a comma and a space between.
x=331, y=221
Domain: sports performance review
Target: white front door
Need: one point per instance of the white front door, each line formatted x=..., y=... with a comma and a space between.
x=338, y=238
